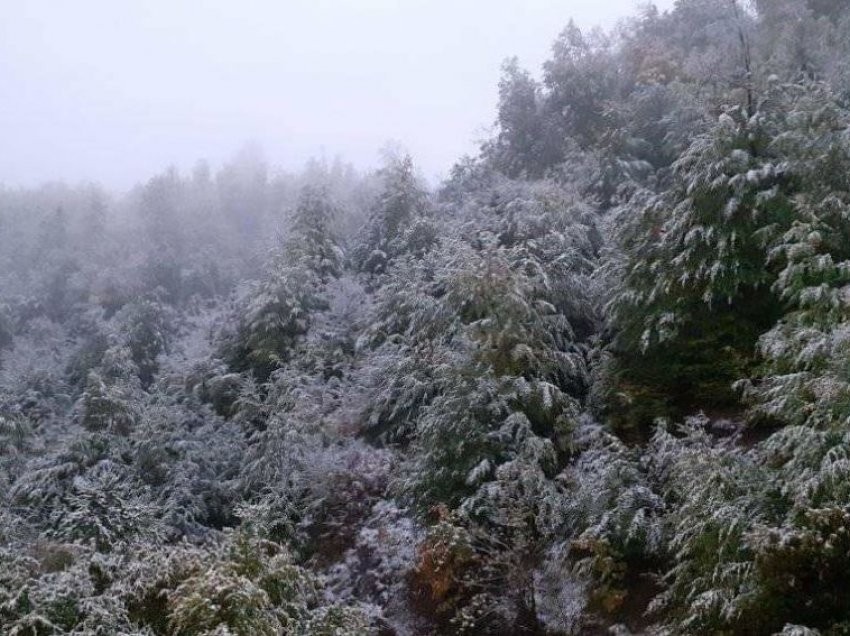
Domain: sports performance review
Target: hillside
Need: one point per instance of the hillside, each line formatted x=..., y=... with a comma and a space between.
x=596, y=381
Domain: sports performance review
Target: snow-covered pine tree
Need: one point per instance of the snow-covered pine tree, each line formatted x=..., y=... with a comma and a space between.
x=698, y=279
x=311, y=243
x=807, y=352
x=401, y=202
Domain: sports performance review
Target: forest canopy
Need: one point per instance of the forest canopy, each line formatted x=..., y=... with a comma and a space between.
x=595, y=381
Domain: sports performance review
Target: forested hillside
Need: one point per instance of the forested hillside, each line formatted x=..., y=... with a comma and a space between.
x=597, y=381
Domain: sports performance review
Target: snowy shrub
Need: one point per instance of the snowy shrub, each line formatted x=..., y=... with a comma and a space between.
x=256, y=589
x=614, y=516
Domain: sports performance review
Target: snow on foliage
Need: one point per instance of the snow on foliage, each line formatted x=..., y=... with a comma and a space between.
x=596, y=382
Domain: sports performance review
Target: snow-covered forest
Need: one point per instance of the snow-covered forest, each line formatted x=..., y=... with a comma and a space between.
x=596, y=381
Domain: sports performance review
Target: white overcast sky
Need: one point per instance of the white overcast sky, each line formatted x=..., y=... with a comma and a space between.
x=116, y=90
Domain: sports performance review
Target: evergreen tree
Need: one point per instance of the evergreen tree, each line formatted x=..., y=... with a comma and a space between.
x=311, y=243
x=523, y=145
x=698, y=280
x=401, y=202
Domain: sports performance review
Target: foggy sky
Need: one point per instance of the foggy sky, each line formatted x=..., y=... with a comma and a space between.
x=116, y=90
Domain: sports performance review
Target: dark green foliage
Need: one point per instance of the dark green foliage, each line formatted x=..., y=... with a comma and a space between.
x=276, y=313
x=522, y=148
x=271, y=321
x=699, y=274
x=401, y=203
x=105, y=407
x=581, y=80
x=311, y=244
x=145, y=328
x=88, y=356
x=203, y=436
x=6, y=328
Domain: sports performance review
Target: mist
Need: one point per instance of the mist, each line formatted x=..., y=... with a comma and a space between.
x=113, y=92
x=425, y=318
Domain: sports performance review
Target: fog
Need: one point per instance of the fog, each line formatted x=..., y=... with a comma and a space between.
x=114, y=91
x=336, y=318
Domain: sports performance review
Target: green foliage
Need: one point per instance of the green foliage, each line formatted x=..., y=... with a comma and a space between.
x=105, y=407
x=6, y=327
x=522, y=147
x=702, y=244
x=274, y=316
x=97, y=506
x=580, y=79
x=806, y=352
x=398, y=208
x=501, y=379
x=753, y=535
x=275, y=313
x=702, y=276
x=203, y=603
x=466, y=433
x=614, y=515
x=255, y=588
x=662, y=213
x=311, y=244
x=145, y=327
